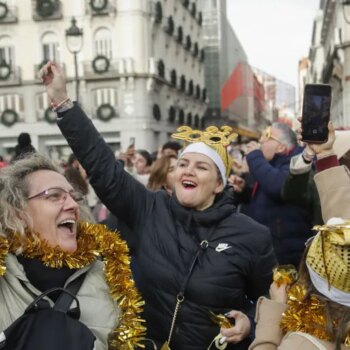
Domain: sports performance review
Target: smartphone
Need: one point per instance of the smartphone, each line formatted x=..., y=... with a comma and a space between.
x=316, y=113
x=132, y=141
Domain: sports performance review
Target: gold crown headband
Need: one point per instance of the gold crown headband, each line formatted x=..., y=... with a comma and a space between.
x=212, y=136
x=329, y=255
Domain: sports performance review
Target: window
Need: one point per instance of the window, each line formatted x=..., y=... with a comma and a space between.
x=7, y=51
x=14, y=102
x=42, y=101
x=103, y=42
x=104, y=96
x=50, y=47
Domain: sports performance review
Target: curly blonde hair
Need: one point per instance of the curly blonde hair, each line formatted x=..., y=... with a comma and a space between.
x=14, y=191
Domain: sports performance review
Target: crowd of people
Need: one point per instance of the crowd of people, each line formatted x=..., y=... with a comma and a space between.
x=188, y=240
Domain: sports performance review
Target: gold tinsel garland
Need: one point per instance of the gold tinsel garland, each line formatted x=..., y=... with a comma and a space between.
x=93, y=240
x=307, y=315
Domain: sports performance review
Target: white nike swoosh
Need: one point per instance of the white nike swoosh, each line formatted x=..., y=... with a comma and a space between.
x=221, y=249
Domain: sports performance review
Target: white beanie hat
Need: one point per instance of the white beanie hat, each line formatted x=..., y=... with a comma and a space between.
x=202, y=148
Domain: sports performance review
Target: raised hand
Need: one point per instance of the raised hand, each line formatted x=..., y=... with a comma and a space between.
x=53, y=77
x=320, y=149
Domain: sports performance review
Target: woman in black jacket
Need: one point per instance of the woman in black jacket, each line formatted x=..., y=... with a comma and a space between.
x=193, y=253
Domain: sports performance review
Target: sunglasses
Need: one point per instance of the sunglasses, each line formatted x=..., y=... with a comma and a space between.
x=266, y=135
x=58, y=195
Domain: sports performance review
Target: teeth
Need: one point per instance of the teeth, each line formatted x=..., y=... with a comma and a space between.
x=68, y=221
x=188, y=183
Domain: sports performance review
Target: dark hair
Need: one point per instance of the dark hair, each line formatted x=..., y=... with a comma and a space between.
x=24, y=147
x=71, y=159
x=172, y=145
x=159, y=171
x=24, y=139
x=145, y=154
x=73, y=175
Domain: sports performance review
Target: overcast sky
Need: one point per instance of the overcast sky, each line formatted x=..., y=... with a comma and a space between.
x=275, y=34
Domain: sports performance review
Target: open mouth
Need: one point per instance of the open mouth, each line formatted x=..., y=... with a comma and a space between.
x=188, y=184
x=68, y=225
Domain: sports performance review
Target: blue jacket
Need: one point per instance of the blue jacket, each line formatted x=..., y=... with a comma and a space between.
x=289, y=224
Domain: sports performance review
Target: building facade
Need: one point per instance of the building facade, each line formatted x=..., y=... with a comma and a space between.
x=279, y=100
x=225, y=60
x=140, y=69
x=329, y=56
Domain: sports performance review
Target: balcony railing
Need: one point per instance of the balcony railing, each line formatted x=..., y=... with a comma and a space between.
x=9, y=16
x=94, y=8
x=14, y=77
x=48, y=10
x=115, y=69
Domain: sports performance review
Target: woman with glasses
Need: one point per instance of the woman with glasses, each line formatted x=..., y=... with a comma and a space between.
x=44, y=245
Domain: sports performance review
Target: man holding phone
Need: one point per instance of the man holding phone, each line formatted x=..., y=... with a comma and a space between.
x=268, y=161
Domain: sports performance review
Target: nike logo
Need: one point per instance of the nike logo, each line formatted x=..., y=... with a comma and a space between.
x=221, y=247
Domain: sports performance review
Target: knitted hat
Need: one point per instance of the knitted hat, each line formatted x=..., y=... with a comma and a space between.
x=328, y=261
x=211, y=142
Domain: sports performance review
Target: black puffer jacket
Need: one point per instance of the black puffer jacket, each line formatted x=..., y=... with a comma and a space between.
x=236, y=265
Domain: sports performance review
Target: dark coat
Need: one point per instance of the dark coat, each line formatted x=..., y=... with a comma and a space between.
x=289, y=224
x=167, y=237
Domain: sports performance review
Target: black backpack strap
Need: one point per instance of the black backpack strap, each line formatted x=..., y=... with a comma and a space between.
x=65, y=300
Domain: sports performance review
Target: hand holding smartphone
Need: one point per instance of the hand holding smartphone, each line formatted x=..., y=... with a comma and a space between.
x=316, y=113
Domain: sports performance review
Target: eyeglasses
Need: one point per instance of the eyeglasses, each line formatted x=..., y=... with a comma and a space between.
x=58, y=195
x=266, y=135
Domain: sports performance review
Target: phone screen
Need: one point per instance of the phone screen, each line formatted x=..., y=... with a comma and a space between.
x=316, y=113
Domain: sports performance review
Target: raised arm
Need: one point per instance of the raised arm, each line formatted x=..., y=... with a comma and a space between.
x=332, y=180
x=121, y=193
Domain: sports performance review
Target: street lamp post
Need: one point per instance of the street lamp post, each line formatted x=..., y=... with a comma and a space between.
x=74, y=41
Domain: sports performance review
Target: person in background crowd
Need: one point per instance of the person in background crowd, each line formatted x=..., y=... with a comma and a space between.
x=44, y=245
x=268, y=162
x=162, y=174
x=171, y=148
x=23, y=147
x=137, y=163
x=300, y=185
x=195, y=254
x=76, y=175
x=315, y=312
x=3, y=163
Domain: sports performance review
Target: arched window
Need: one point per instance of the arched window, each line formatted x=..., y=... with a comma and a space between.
x=181, y=117
x=103, y=42
x=7, y=51
x=190, y=88
x=161, y=68
x=50, y=47
x=182, y=83
x=196, y=121
x=173, y=77
x=172, y=114
x=189, y=119
x=157, y=114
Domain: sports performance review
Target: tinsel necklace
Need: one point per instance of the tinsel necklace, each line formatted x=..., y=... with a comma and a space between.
x=307, y=315
x=94, y=241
